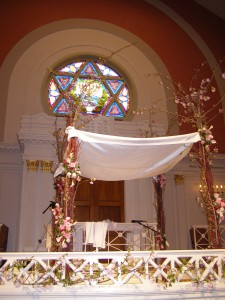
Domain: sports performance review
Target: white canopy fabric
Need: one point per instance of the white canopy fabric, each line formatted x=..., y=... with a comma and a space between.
x=112, y=158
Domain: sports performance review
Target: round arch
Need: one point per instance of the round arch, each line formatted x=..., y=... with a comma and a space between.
x=26, y=67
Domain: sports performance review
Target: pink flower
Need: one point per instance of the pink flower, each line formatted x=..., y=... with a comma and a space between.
x=216, y=195
x=68, y=160
x=58, y=239
x=62, y=227
x=209, y=137
x=64, y=245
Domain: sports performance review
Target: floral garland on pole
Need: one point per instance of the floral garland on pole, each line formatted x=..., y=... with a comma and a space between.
x=195, y=110
x=66, y=180
x=67, y=176
x=159, y=183
x=211, y=201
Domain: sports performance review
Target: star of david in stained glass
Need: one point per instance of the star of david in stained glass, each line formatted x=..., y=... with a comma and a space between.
x=93, y=85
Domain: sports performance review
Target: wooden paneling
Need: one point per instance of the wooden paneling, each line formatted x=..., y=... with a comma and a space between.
x=3, y=237
x=82, y=213
x=103, y=200
x=112, y=213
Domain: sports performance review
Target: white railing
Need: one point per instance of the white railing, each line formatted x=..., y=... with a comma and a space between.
x=200, y=236
x=119, y=236
x=201, y=267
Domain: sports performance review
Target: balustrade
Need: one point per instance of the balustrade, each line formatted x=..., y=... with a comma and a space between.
x=116, y=268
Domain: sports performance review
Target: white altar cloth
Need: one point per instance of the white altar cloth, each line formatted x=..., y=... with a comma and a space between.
x=112, y=158
x=96, y=233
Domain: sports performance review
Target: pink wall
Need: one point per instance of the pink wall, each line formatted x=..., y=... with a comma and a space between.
x=176, y=49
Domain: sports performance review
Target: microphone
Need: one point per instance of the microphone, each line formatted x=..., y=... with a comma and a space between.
x=52, y=205
x=138, y=221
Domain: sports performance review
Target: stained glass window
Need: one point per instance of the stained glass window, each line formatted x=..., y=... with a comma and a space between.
x=97, y=87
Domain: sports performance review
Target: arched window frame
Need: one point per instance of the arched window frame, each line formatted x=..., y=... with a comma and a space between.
x=116, y=84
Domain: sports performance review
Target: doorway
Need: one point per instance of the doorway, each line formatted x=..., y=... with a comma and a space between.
x=103, y=200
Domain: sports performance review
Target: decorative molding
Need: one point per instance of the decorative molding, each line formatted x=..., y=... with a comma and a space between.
x=32, y=165
x=46, y=166
x=179, y=179
x=109, y=126
x=6, y=147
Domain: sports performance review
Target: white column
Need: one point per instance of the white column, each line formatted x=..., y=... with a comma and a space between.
x=139, y=198
x=37, y=140
x=28, y=210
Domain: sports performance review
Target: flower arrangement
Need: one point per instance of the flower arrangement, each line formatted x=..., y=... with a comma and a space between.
x=219, y=205
x=63, y=227
x=59, y=185
x=66, y=179
x=71, y=168
x=206, y=137
x=161, y=180
x=67, y=175
x=195, y=111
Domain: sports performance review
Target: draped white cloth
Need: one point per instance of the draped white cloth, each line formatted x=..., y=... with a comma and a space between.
x=112, y=158
x=96, y=233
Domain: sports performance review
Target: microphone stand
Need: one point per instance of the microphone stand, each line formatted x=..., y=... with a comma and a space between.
x=147, y=226
x=155, y=232
x=52, y=205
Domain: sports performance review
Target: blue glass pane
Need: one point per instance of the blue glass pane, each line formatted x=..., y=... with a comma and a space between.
x=90, y=70
x=114, y=85
x=114, y=111
x=64, y=81
x=62, y=107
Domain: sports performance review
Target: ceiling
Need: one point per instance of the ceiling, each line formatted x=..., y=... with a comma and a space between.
x=215, y=6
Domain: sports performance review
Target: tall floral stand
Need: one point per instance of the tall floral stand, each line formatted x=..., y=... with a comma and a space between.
x=159, y=183
x=211, y=201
